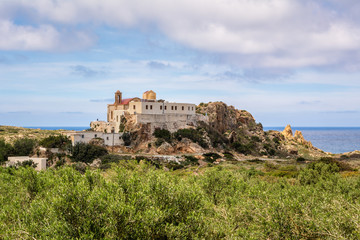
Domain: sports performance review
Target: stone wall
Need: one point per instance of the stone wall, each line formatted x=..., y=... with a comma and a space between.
x=110, y=139
x=171, y=122
x=41, y=162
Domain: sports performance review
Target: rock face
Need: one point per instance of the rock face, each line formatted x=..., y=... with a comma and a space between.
x=288, y=134
x=223, y=128
x=297, y=137
x=165, y=148
x=224, y=118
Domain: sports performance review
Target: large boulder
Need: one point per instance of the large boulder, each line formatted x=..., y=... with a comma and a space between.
x=165, y=148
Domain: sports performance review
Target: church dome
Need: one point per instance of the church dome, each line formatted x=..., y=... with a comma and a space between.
x=149, y=95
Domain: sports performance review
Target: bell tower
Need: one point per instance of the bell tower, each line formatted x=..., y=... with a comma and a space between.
x=118, y=97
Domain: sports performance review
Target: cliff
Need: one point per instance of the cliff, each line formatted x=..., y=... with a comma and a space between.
x=226, y=130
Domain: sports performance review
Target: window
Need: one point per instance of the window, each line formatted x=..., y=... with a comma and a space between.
x=175, y=107
x=134, y=107
x=188, y=108
x=147, y=107
x=165, y=107
x=192, y=108
x=112, y=115
x=95, y=135
x=117, y=118
x=151, y=107
x=107, y=138
x=172, y=107
x=82, y=136
x=119, y=137
x=182, y=108
x=160, y=107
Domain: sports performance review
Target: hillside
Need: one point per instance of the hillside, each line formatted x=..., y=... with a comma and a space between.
x=10, y=133
x=227, y=130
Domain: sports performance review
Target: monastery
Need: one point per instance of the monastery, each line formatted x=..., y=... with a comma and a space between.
x=148, y=110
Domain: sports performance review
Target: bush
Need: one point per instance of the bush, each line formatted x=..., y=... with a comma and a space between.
x=194, y=135
x=228, y=156
x=126, y=137
x=59, y=141
x=24, y=146
x=211, y=157
x=27, y=163
x=316, y=172
x=136, y=201
x=86, y=153
x=243, y=148
x=343, y=166
x=300, y=159
x=159, y=141
x=162, y=134
x=5, y=150
x=190, y=160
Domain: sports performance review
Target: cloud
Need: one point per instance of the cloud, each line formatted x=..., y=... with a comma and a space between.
x=258, y=33
x=44, y=37
x=85, y=71
x=157, y=65
x=255, y=75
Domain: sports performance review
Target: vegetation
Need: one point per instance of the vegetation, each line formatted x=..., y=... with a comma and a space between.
x=126, y=137
x=86, y=153
x=55, y=141
x=133, y=200
x=24, y=146
x=195, y=135
x=163, y=134
x=5, y=150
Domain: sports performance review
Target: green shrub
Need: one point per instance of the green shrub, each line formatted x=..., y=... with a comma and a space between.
x=316, y=172
x=159, y=141
x=163, y=134
x=5, y=150
x=86, y=153
x=136, y=201
x=190, y=160
x=255, y=139
x=126, y=137
x=343, y=166
x=55, y=141
x=27, y=163
x=194, y=135
x=300, y=159
x=244, y=148
x=228, y=156
x=24, y=146
x=211, y=157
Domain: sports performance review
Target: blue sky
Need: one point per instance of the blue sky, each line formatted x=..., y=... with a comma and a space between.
x=286, y=61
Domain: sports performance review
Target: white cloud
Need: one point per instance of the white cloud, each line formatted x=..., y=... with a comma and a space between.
x=270, y=33
x=15, y=37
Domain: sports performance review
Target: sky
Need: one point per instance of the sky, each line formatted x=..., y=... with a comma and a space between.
x=285, y=61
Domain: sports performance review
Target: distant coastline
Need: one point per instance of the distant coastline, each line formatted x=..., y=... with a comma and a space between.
x=59, y=128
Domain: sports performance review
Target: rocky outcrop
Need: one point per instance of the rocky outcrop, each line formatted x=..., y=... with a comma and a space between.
x=226, y=118
x=297, y=138
x=165, y=148
x=288, y=134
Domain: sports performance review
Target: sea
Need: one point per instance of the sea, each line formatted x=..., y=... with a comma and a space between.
x=328, y=139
